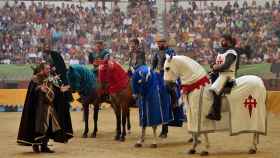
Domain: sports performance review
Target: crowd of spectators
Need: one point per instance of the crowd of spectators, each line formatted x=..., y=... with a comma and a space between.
x=72, y=29
x=197, y=32
x=193, y=31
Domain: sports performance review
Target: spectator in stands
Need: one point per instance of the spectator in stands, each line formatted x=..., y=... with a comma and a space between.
x=192, y=30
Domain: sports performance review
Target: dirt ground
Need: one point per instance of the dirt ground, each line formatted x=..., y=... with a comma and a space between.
x=175, y=146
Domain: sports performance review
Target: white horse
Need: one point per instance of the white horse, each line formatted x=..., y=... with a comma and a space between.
x=243, y=110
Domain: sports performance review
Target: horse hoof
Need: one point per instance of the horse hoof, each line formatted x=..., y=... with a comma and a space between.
x=192, y=151
x=163, y=136
x=117, y=138
x=129, y=132
x=84, y=135
x=122, y=139
x=204, y=153
x=93, y=135
x=252, y=151
x=138, y=145
x=153, y=146
x=191, y=141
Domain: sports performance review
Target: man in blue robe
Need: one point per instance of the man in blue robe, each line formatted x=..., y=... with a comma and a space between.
x=169, y=95
x=146, y=89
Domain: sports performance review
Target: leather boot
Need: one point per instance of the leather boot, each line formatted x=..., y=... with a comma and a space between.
x=35, y=148
x=215, y=112
x=45, y=148
x=164, y=131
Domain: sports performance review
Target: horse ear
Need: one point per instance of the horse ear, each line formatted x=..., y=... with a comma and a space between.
x=70, y=68
x=168, y=57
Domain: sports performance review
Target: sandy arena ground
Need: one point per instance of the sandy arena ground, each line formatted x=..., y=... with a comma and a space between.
x=175, y=146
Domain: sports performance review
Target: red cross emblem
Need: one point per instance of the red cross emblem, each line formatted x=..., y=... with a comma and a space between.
x=250, y=103
x=219, y=61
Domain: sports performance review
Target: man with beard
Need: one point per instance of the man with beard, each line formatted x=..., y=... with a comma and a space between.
x=40, y=120
x=62, y=100
x=226, y=65
x=169, y=94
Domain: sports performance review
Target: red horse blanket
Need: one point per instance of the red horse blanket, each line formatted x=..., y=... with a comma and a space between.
x=114, y=75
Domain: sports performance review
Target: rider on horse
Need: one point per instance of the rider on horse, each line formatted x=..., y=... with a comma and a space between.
x=226, y=65
x=136, y=56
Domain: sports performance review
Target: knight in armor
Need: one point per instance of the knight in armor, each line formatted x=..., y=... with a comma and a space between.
x=40, y=119
x=169, y=95
x=226, y=65
x=136, y=56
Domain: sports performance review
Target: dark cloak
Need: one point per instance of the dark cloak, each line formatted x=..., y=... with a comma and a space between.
x=27, y=134
x=62, y=100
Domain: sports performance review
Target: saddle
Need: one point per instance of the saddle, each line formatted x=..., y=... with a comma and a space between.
x=228, y=86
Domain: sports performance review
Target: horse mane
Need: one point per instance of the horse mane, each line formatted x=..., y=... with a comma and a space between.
x=179, y=61
x=186, y=68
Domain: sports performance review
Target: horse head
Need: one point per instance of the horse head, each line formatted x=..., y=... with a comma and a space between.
x=74, y=78
x=170, y=69
x=183, y=67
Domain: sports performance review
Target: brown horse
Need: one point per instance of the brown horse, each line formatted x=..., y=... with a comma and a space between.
x=120, y=102
x=83, y=80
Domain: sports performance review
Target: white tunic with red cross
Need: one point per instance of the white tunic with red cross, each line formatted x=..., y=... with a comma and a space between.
x=221, y=58
x=224, y=75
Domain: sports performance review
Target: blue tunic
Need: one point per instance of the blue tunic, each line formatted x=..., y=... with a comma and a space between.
x=152, y=110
